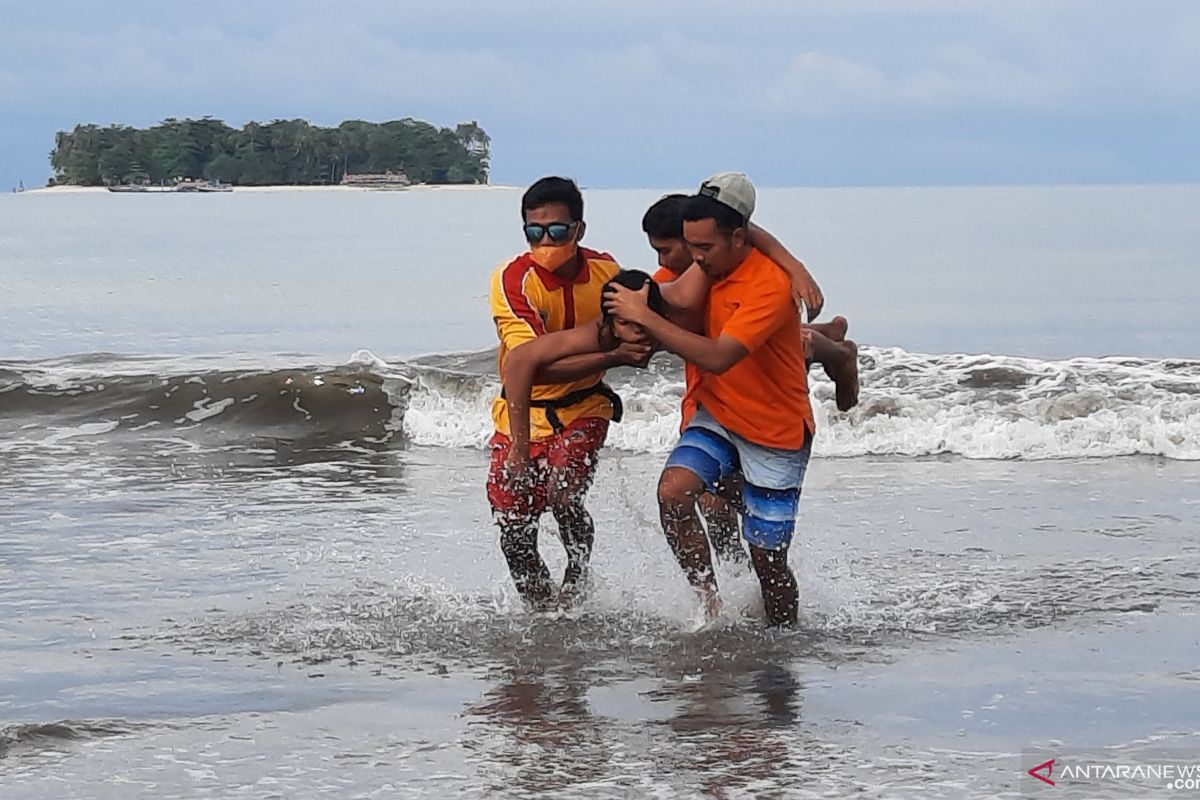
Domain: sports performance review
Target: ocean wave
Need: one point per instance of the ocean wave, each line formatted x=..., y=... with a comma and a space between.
x=48, y=735
x=912, y=404
x=49, y=402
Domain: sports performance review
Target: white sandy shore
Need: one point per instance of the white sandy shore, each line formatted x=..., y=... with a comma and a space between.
x=278, y=189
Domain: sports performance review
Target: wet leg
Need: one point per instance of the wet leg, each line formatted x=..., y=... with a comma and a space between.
x=518, y=541
x=678, y=489
x=840, y=361
x=781, y=595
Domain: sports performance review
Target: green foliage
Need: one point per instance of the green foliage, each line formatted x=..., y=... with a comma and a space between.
x=288, y=152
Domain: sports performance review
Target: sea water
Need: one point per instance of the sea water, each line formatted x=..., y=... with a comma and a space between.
x=245, y=548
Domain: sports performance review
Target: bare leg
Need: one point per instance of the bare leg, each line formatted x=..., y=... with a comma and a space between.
x=834, y=330
x=721, y=516
x=578, y=534
x=722, y=522
x=840, y=361
x=677, y=492
x=518, y=541
x=781, y=596
x=575, y=526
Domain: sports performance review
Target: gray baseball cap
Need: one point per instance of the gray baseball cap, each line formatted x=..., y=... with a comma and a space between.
x=733, y=189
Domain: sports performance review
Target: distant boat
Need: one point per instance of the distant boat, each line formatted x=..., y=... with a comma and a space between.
x=139, y=188
x=182, y=186
x=386, y=180
x=188, y=185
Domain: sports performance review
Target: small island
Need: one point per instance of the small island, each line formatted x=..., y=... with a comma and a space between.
x=208, y=153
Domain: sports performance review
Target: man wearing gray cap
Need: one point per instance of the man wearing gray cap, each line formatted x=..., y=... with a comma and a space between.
x=754, y=415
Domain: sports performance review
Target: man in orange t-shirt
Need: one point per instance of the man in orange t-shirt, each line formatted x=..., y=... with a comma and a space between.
x=827, y=345
x=753, y=414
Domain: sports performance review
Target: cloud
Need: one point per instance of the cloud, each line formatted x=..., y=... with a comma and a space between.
x=1176, y=65
x=623, y=89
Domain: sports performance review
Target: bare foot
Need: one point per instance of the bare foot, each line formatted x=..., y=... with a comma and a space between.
x=569, y=600
x=541, y=606
x=730, y=551
x=573, y=592
x=844, y=375
x=834, y=330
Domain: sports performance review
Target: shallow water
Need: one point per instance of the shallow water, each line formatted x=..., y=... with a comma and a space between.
x=344, y=625
x=241, y=555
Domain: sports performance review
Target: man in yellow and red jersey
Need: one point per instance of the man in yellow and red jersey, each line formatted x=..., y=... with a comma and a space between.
x=554, y=286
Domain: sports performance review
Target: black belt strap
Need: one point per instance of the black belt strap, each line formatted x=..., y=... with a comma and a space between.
x=552, y=405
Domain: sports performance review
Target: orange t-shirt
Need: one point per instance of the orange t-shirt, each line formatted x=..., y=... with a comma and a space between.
x=528, y=301
x=763, y=397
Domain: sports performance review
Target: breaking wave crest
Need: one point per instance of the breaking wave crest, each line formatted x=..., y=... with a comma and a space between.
x=912, y=404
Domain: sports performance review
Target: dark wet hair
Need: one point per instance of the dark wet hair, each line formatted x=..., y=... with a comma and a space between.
x=553, y=190
x=664, y=219
x=700, y=207
x=635, y=279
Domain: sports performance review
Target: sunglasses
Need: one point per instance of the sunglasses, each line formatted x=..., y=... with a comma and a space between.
x=557, y=231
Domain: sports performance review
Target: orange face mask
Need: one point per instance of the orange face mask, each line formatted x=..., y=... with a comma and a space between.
x=553, y=257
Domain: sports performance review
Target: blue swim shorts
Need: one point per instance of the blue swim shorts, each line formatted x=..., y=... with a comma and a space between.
x=771, y=478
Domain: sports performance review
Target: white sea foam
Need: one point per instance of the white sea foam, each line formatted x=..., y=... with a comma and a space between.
x=206, y=408
x=912, y=404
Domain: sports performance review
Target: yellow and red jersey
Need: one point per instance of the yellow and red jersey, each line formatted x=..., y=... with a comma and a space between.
x=528, y=301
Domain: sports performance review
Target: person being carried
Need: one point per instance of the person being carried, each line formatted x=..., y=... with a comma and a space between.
x=526, y=363
x=752, y=408
x=554, y=286
x=827, y=342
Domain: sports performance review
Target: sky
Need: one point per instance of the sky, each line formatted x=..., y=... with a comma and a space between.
x=631, y=93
